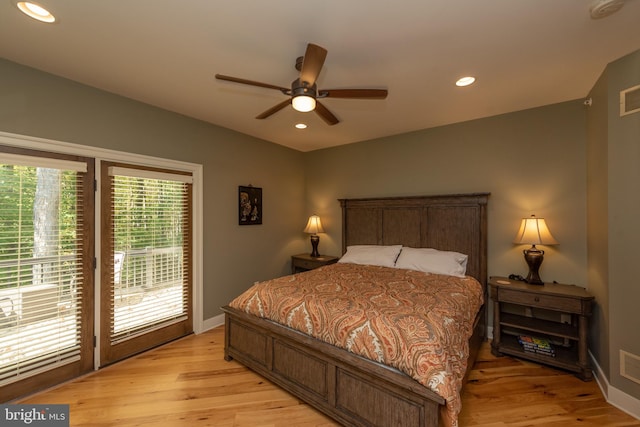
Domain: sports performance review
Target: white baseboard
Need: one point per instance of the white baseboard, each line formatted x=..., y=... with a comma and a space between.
x=614, y=396
x=213, y=322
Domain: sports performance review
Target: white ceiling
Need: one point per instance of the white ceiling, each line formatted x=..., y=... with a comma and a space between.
x=524, y=53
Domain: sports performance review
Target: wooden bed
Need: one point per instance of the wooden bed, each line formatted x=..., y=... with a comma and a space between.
x=350, y=389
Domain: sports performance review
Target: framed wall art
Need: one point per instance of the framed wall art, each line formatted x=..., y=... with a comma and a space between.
x=249, y=205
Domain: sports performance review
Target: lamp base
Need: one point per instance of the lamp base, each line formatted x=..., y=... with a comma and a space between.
x=314, y=245
x=534, y=257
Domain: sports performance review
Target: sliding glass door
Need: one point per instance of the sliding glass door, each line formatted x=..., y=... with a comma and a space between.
x=49, y=308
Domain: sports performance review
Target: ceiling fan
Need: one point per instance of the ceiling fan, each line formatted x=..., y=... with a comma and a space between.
x=303, y=93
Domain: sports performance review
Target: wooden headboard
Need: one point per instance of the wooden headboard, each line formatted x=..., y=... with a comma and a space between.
x=456, y=222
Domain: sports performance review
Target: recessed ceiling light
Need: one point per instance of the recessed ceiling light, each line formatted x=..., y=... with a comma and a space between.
x=36, y=11
x=301, y=126
x=465, y=81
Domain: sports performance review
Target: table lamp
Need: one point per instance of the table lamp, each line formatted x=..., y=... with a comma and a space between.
x=313, y=227
x=534, y=231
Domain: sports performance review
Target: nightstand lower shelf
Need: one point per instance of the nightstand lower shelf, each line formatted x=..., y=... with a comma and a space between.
x=565, y=358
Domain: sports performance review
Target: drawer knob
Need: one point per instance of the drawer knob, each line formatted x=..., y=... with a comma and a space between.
x=537, y=299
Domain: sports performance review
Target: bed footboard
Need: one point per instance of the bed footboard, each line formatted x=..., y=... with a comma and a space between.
x=352, y=390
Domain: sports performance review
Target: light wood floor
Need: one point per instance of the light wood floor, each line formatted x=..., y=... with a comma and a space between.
x=188, y=383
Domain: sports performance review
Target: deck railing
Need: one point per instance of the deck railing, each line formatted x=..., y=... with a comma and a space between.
x=22, y=297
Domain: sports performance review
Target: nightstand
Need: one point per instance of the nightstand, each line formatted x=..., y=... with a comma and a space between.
x=556, y=312
x=304, y=262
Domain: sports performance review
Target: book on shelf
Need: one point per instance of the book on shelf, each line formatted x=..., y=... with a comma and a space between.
x=536, y=345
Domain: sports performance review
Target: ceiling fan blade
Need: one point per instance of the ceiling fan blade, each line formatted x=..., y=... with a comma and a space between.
x=274, y=109
x=312, y=63
x=325, y=114
x=251, y=83
x=354, y=93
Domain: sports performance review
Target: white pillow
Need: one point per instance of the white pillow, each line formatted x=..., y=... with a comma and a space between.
x=384, y=256
x=433, y=261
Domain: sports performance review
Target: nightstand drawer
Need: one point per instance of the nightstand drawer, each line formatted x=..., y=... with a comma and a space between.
x=310, y=265
x=549, y=302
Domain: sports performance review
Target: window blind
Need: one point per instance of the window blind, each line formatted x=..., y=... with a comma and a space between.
x=41, y=279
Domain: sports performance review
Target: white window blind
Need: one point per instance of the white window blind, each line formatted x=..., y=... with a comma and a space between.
x=41, y=162
x=41, y=280
x=150, y=283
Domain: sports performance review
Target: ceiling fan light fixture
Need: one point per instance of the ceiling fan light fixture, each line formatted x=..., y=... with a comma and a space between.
x=304, y=91
x=303, y=103
x=35, y=11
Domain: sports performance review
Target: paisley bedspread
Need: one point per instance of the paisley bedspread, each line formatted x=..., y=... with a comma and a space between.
x=416, y=322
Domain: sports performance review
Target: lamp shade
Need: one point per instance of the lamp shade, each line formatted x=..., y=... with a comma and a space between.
x=534, y=231
x=314, y=225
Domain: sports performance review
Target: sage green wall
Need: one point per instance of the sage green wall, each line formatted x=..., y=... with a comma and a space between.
x=532, y=162
x=39, y=104
x=613, y=153
x=623, y=202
